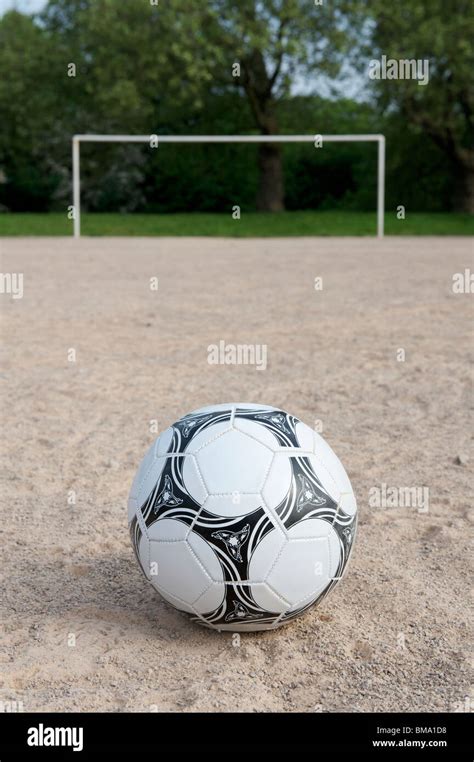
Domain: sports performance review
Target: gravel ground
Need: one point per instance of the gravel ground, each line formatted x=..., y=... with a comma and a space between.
x=81, y=629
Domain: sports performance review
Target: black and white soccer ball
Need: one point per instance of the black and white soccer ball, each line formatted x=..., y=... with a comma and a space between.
x=242, y=516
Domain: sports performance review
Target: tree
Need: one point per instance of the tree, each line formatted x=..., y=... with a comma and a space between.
x=146, y=61
x=274, y=42
x=94, y=66
x=30, y=108
x=444, y=108
x=137, y=62
x=143, y=67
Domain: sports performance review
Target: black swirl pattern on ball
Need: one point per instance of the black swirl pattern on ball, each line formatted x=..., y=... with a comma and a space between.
x=281, y=424
x=238, y=608
x=306, y=497
x=192, y=424
x=233, y=539
x=169, y=497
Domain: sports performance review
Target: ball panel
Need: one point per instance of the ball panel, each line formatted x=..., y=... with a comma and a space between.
x=318, y=529
x=206, y=556
x=163, y=443
x=348, y=504
x=175, y=569
x=332, y=463
x=305, y=436
x=265, y=555
x=308, y=602
x=310, y=565
x=143, y=552
x=268, y=599
x=211, y=599
x=176, y=602
x=278, y=482
x=192, y=480
x=256, y=431
x=310, y=529
x=168, y=530
x=233, y=463
x=325, y=477
x=207, y=435
x=149, y=480
x=335, y=553
x=232, y=505
x=132, y=506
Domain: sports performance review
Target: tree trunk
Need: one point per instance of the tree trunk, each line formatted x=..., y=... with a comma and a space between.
x=270, y=194
x=258, y=87
x=464, y=200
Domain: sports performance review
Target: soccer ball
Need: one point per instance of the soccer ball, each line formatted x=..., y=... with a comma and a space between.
x=242, y=516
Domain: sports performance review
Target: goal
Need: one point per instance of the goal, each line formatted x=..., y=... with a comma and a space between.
x=78, y=139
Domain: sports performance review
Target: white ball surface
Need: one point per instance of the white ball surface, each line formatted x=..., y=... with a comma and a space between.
x=242, y=516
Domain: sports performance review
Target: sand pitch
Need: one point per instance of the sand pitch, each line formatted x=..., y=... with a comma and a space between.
x=81, y=628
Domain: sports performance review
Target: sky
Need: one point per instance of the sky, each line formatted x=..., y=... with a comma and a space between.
x=27, y=6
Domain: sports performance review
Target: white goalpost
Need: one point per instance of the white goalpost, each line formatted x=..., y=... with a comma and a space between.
x=78, y=139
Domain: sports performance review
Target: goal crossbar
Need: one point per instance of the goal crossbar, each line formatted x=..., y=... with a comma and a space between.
x=78, y=139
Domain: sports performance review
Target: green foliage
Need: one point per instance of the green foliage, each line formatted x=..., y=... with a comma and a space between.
x=441, y=32
x=443, y=110
x=30, y=101
x=157, y=69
